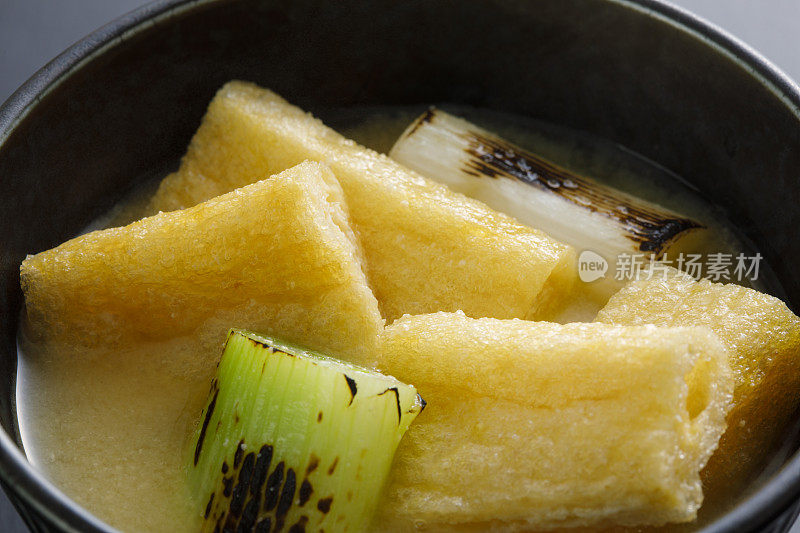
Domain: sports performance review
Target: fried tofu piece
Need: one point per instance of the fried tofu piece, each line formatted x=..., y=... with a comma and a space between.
x=427, y=248
x=536, y=425
x=276, y=256
x=763, y=338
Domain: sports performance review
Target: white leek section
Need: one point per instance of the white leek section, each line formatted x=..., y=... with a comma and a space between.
x=570, y=208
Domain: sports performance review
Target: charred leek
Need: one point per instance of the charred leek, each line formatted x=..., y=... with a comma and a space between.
x=570, y=208
x=291, y=440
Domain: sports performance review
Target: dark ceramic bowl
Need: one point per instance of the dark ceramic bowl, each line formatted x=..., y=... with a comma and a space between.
x=125, y=101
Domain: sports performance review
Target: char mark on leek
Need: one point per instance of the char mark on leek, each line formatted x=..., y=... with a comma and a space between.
x=351, y=384
x=397, y=400
x=206, y=419
x=263, y=472
x=649, y=227
x=571, y=208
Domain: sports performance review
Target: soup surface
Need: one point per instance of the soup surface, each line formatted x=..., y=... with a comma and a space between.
x=111, y=429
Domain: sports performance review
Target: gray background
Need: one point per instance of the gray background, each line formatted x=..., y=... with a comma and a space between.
x=34, y=31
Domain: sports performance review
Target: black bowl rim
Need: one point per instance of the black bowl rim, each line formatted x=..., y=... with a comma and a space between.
x=24, y=482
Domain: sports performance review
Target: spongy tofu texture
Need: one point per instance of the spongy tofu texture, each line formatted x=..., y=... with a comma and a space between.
x=763, y=338
x=534, y=425
x=276, y=256
x=427, y=248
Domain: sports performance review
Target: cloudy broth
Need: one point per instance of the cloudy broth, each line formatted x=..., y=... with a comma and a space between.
x=111, y=429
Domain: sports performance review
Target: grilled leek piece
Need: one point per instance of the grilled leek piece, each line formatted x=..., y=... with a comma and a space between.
x=763, y=337
x=291, y=440
x=535, y=425
x=426, y=248
x=570, y=208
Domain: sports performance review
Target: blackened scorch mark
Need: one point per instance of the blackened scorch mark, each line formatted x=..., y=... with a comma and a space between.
x=424, y=119
x=397, y=401
x=353, y=389
x=263, y=525
x=263, y=460
x=224, y=467
x=273, y=487
x=227, y=484
x=287, y=496
x=286, y=499
x=230, y=525
x=306, y=489
x=422, y=403
x=237, y=456
x=332, y=468
x=313, y=463
x=651, y=228
x=270, y=349
x=324, y=505
x=467, y=170
x=300, y=525
x=243, y=483
x=249, y=516
x=260, y=344
x=662, y=233
x=208, y=506
x=246, y=472
x=206, y=420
